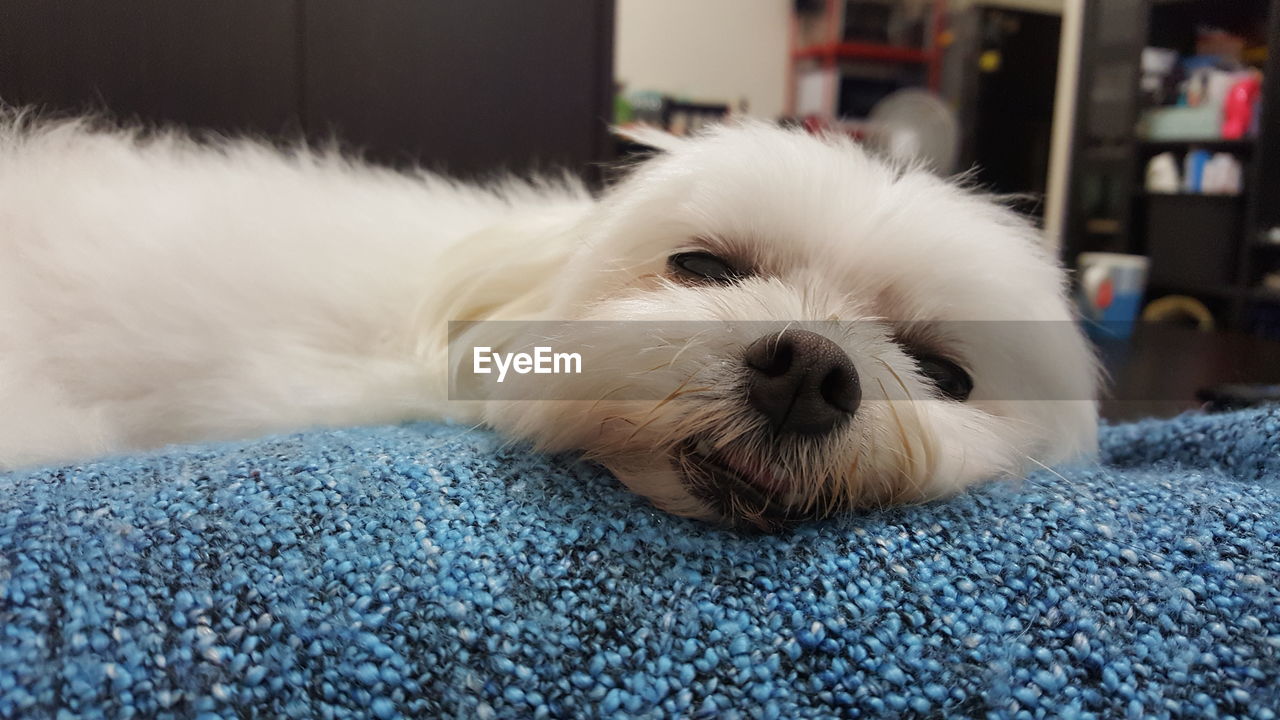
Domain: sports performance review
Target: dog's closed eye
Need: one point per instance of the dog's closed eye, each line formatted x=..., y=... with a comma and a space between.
x=700, y=266
x=950, y=379
x=926, y=346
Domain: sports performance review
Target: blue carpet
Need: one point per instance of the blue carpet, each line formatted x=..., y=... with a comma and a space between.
x=425, y=571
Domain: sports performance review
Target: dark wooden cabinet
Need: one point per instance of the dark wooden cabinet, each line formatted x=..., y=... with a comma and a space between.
x=468, y=86
x=528, y=86
x=228, y=65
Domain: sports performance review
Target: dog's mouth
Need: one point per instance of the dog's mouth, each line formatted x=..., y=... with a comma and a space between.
x=743, y=489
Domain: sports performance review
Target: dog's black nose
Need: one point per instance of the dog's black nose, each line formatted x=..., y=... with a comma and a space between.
x=802, y=382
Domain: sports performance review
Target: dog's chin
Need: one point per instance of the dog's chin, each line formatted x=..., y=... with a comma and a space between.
x=743, y=489
x=734, y=485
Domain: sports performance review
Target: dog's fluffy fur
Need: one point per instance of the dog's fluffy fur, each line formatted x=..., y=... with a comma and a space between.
x=156, y=290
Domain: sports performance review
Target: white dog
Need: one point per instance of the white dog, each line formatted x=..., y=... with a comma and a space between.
x=154, y=290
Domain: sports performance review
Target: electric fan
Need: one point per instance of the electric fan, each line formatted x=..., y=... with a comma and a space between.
x=915, y=125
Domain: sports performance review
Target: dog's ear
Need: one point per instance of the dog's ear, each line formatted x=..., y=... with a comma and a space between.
x=649, y=136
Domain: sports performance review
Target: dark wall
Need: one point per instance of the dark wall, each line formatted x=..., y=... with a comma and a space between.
x=468, y=86
x=1013, y=105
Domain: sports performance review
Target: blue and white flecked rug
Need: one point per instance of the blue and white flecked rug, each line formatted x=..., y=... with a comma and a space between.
x=426, y=571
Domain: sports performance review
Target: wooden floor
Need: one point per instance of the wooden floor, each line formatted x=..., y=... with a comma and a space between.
x=1157, y=371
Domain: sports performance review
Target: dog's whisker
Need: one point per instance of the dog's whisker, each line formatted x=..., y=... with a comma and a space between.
x=605, y=396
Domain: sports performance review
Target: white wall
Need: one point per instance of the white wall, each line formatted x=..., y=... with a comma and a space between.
x=709, y=50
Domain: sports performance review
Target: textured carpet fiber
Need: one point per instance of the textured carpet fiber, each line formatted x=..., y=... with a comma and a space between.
x=425, y=571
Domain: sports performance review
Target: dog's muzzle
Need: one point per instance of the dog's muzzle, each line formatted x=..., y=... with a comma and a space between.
x=802, y=383
x=804, y=387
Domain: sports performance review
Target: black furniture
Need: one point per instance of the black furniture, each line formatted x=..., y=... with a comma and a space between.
x=467, y=86
x=1214, y=248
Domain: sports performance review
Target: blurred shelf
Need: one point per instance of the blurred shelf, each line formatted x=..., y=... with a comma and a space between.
x=1216, y=197
x=1211, y=144
x=1103, y=226
x=864, y=51
x=1212, y=291
x=1265, y=294
x=1109, y=152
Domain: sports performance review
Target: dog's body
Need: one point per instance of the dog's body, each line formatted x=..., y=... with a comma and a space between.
x=158, y=290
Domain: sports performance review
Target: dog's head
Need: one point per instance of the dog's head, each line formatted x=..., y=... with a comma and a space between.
x=784, y=326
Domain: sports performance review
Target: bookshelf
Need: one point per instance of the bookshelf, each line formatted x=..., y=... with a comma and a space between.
x=1217, y=249
x=847, y=54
